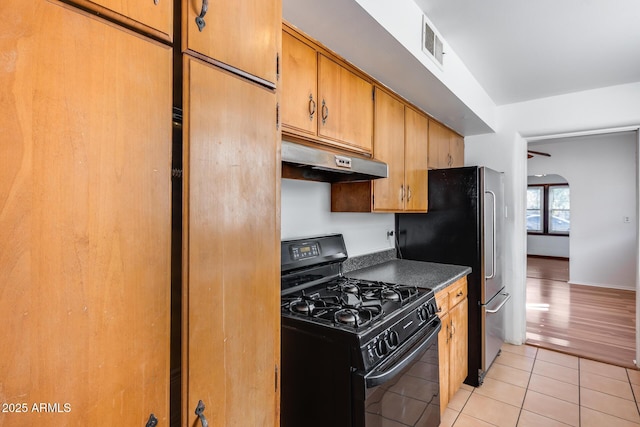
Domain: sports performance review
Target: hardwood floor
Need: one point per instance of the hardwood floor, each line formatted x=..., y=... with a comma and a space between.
x=585, y=321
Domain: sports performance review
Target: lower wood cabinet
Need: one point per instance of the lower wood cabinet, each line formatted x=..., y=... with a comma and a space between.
x=231, y=282
x=453, y=339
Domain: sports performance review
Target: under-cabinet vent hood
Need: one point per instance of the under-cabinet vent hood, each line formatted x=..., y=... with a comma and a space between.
x=317, y=164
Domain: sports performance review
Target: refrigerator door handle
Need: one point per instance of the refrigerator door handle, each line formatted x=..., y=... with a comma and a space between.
x=493, y=237
x=495, y=310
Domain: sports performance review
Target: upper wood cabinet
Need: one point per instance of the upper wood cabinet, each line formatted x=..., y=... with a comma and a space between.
x=151, y=16
x=400, y=140
x=232, y=249
x=416, y=155
x=446, y=148
x=323, y=99
x=345, y=105
x=389, y=193
x=244, y=35
x=299, y=93
x=85, y=191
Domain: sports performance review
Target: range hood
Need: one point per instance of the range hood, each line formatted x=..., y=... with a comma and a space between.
x=318, y=164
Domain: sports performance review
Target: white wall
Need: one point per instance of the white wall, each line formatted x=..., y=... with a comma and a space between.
x=306, y=211
x=505, y=150
x=601, y=171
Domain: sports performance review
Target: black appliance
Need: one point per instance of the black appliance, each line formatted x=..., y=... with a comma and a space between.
x=463, y=226
x=355, y=353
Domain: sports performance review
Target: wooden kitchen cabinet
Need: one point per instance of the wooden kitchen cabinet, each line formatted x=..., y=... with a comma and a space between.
x=244, y=35
x=231, y=283
x=323, y=99
x=154, y=17
x=453, y=339
x=85, y=190
x=299, y=95
x=446, y=148
x=388, y=194
x=401, y=135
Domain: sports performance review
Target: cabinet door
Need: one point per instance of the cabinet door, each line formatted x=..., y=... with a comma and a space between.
x=459, y=343
x=242, y=34
x=299, y=96
x=155, y=16
x=345, y=106
x=232, y=243
x=456, y=149
x=85, y=191
x=438, y=145
x=389, y=192
x=444, y=341
x=416, y=153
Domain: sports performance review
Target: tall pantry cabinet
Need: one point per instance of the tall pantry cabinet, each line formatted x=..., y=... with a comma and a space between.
x=231, y=215
x=85, y=212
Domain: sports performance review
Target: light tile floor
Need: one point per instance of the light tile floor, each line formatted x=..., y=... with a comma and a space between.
x=531, y=387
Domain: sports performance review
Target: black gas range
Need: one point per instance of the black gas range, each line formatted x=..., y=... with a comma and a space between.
x=350, y=345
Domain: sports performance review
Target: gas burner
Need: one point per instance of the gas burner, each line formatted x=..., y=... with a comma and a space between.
x=347, y=316
x=390, y=295
x=302, y=306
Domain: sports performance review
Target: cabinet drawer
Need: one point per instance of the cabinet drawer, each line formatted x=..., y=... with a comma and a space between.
x=457, y=292
x=442, y=301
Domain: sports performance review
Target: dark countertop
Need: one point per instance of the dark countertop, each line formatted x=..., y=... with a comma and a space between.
x=414, y=273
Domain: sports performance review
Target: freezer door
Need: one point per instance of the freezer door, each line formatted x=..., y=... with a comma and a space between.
x=493, y=212
x=494, y=321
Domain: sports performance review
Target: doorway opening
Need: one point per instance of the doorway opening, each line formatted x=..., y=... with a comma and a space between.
x=587, y=309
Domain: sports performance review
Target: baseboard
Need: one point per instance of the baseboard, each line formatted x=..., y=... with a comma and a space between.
x=560, y=258
x=599, y=285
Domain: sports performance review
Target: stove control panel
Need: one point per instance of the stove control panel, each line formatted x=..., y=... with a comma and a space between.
x=384, y=343
x=304, y=251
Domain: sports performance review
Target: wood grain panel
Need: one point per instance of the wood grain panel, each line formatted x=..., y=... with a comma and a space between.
x=300, y=107
x=232, y=236
x=85, y=206
x=242, y=34
x=349, y=105
x=416, y=154
x=390, y=192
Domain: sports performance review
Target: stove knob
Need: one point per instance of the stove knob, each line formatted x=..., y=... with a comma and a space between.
x=381, y=348
x=423, y=314
x=393, y=339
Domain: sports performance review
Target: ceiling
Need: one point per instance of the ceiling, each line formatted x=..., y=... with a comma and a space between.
x=523, y=50
x=517, y=50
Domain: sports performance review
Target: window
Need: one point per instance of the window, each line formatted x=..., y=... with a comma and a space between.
x=548, y=209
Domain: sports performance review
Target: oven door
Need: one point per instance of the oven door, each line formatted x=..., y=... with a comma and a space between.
x=404, y=388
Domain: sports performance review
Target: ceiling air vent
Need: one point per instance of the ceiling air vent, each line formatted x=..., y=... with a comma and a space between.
x=431, y=42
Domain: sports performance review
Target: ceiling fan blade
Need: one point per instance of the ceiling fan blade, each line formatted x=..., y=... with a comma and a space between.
x=540, y=153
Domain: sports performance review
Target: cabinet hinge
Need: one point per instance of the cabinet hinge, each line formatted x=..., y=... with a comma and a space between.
x=373, y=93
x=278, y=116
x=277, y=66
x=176, y=173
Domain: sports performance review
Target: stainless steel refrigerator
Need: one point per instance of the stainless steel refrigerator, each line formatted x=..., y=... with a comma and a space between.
x=463, y=226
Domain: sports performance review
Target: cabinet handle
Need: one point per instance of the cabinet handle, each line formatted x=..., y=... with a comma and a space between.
x=459, y=294
x=152, y=422
x=325, y=112
x=200, y=414
x=200, y=18
x=402, y=193
x=312, y=107
x=408, y=193
x=156, y=3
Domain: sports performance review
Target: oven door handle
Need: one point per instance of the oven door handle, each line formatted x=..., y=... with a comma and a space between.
x=410, y=351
